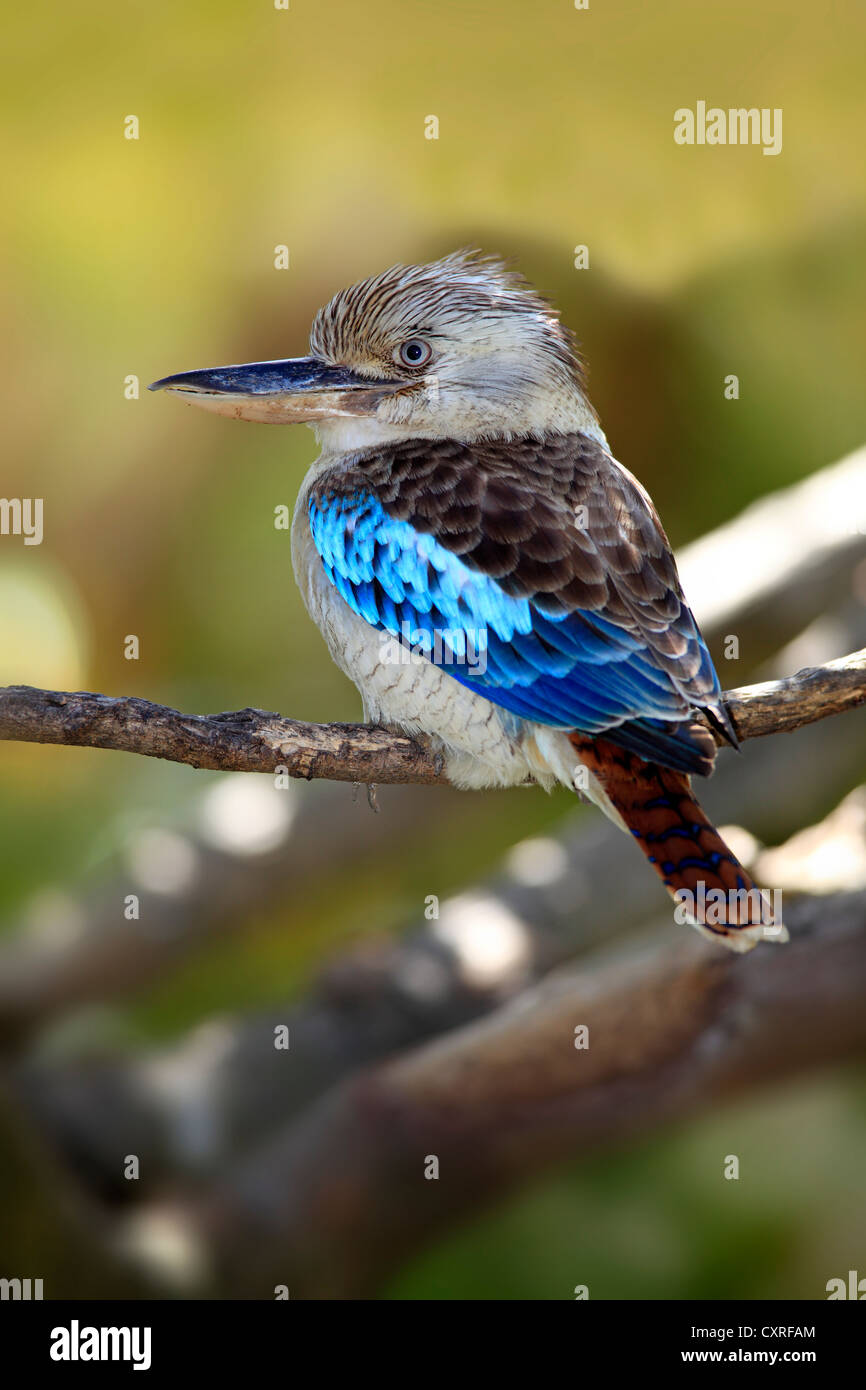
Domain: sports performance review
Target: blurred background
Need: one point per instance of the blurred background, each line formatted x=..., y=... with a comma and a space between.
x=305, y=127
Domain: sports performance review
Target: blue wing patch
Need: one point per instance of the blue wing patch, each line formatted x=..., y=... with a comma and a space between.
x=572, y=671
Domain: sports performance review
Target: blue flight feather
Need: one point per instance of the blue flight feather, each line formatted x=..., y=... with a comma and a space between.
x=577, y=671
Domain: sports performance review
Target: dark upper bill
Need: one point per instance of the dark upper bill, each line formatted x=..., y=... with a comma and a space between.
x=295, y=390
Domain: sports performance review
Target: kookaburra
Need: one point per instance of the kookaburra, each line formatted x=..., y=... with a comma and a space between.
x=486, y=572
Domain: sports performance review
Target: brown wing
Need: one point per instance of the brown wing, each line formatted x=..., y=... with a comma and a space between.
x=557, y=521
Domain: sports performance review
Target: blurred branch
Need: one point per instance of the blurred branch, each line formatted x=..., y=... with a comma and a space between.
x=191, y=1110
x=78, y=952
x=48, y=1224
x=339, y=1200
x=389, y=993
x=257, y=741
x=786, y=560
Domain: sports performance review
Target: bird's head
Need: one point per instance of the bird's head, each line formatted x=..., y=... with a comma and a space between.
x=460, y=348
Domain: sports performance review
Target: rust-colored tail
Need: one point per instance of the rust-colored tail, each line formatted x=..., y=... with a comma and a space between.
x=710, y=886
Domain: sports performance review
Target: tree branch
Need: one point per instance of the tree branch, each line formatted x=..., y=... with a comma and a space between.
x=247, y=740
x=780, y=707
x=251, y=740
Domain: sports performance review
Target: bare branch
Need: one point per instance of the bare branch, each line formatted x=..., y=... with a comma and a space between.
x=252, y=740
x=780, y=707
x=247, y=740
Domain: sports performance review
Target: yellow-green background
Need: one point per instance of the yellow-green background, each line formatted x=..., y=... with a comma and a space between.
x=306, y=127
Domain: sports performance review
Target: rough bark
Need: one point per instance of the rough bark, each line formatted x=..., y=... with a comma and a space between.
x=259, y=741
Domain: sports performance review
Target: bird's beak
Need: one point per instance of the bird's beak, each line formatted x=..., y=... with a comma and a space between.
x=297, y=390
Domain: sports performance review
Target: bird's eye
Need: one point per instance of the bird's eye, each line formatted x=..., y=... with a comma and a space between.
x=414, y=353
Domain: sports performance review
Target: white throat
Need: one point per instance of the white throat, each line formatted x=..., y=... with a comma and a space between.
x=565, y=414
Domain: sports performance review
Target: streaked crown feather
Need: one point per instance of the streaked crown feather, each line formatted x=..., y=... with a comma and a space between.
x=463, y=289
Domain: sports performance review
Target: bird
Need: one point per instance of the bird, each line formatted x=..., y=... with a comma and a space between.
x=487, y=573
